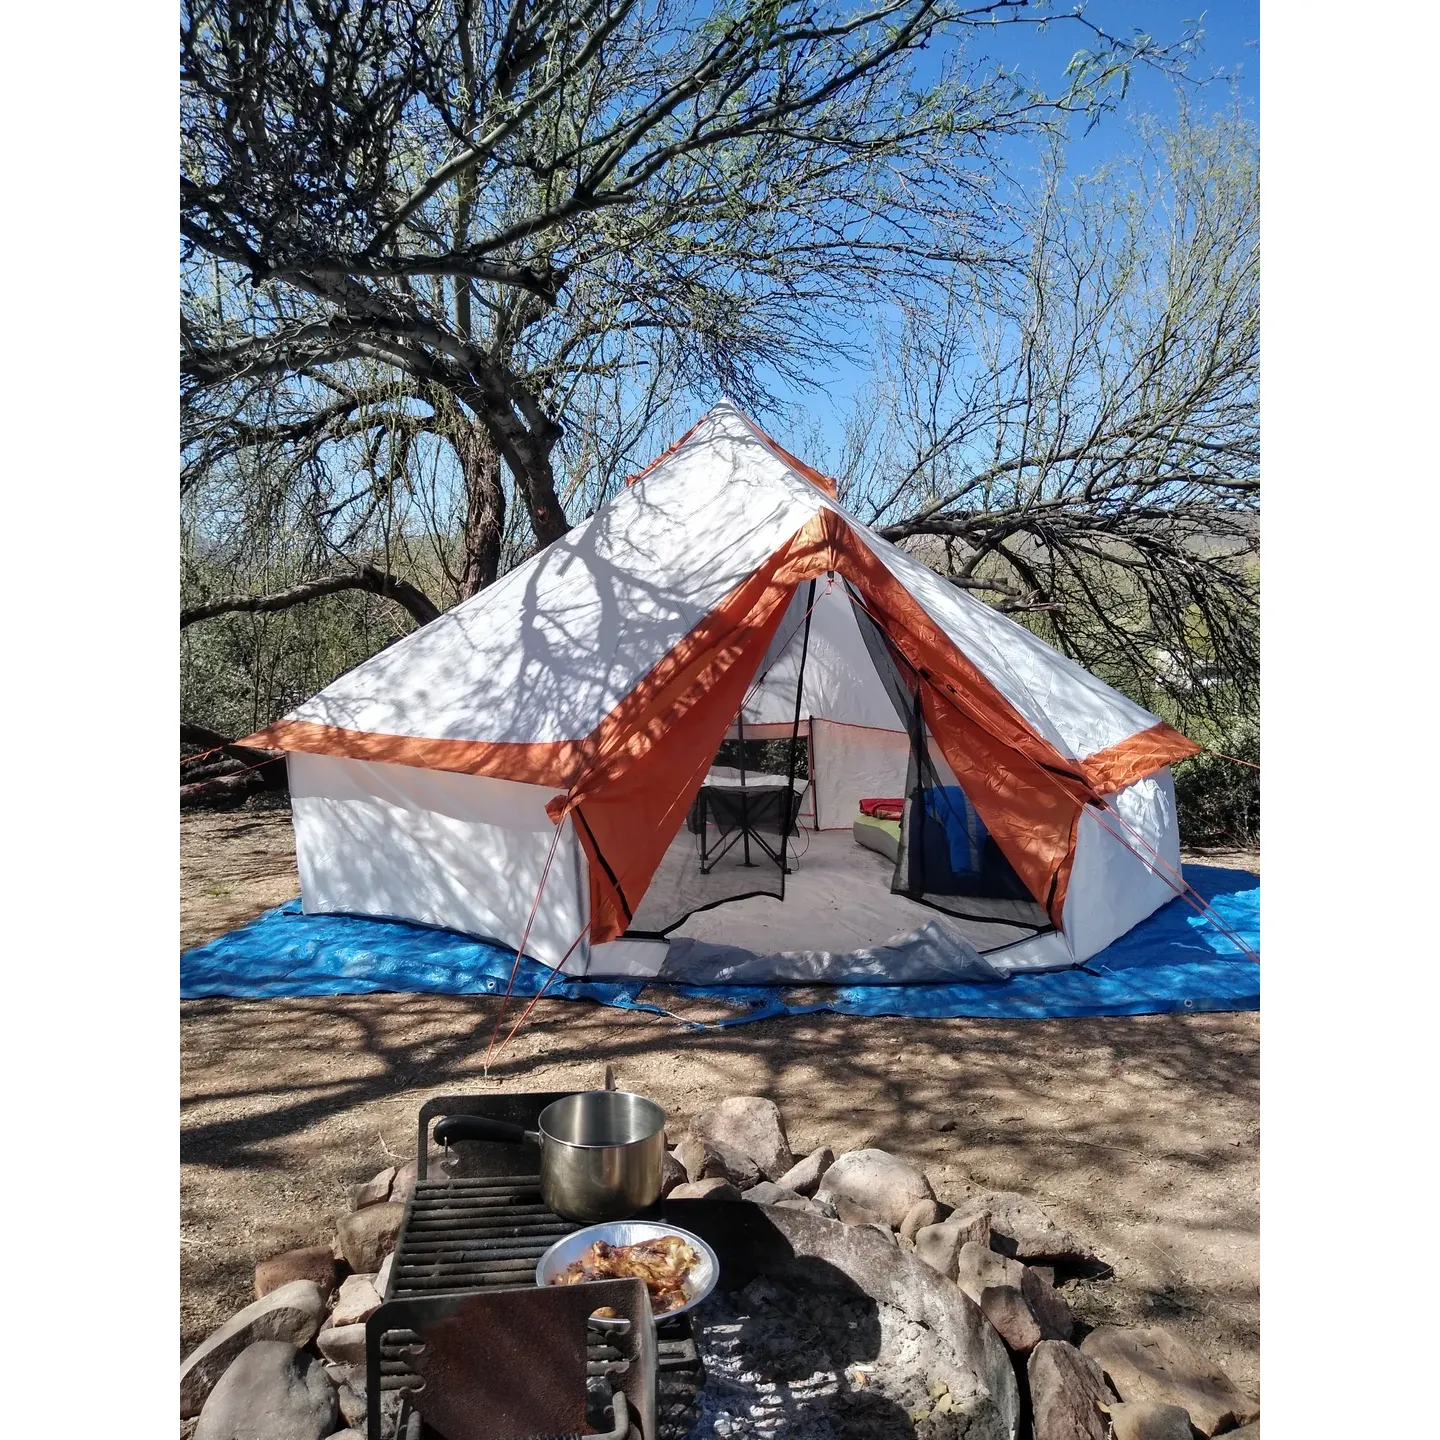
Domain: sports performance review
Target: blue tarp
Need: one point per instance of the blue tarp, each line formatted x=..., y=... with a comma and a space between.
x=1174, y=961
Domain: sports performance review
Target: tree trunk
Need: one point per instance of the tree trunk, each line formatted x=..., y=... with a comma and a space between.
x=537, y=481
x=525, y=444
x=484, y=508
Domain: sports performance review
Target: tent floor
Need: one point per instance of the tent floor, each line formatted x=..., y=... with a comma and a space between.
x=838, y=899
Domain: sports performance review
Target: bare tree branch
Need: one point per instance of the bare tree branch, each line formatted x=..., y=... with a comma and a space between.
x=1079, y=443
x=365, y=577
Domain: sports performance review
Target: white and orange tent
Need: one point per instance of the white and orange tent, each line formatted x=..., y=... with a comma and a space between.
x=523, y=767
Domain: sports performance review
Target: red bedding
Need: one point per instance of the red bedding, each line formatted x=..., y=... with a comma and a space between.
x=883, y=809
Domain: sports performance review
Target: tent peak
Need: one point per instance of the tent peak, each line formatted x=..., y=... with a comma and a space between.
x=726, y=408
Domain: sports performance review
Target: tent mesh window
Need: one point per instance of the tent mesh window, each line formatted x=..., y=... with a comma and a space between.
x=737, y=839
x=947, y=858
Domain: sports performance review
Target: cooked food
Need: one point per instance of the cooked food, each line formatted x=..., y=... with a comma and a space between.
x=662, y=1264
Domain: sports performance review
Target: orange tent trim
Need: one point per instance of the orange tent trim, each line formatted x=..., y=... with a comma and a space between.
x=664, y=454
x=1137, y=756
x=815, y=477
x=553, y=763
x=629, y=783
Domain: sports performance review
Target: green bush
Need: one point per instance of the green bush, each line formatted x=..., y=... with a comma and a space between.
x=1218, y=800
x=768, y=757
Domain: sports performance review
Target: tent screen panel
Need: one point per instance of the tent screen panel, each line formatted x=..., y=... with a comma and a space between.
x=735, y=842
x=737, y=837
x=947, y=858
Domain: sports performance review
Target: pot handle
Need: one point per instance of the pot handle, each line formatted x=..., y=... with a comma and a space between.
x=477, y=1127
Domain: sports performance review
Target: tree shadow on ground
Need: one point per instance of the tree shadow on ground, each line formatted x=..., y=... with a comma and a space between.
x=1143, y=1128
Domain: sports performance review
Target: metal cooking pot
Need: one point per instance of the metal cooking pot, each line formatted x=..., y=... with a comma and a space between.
x=601, y=1151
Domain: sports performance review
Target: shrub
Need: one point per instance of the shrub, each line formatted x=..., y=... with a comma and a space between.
x=1218, y=800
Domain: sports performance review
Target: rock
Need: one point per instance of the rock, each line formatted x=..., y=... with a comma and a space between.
x=348, y=1435
x=690, y=1153
x=974, y=1226
x=1026, y=1315
x=351, y=1375
x=1021, y=1229
x=978, y=1269
x=1146, y=1420
x=849, y=1213
x=1245, y=1432
x=403, y=1185
x=367, y=1236
x=752, y=1125
x=919, y=1215
x=714, y=1189
x=342, y=1344
x=939, y=1245
x=314, y=1262
x=804, y=1176
x=729, y=1164
x=382, y=1280
x=272, y=1391
x=1047, y=1305
x=986, y=1401
x=1006, y=1310
x=1067, y=1390
x=357, y=1302
x=672, y=1173
x=353, y=1409
x=375, y=1191
x=801, y=1202
x=767, y=1192
x=706, y=1159
x=1150, y=1363
x=292, y=1312
x=883, y=1229
x=878, y=1181
x=1016, y=1301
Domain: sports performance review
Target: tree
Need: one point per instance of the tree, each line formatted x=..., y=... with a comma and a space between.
x=1078, y=442
x=419, y=233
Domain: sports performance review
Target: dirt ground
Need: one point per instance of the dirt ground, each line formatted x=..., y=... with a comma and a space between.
x=1140, y=1133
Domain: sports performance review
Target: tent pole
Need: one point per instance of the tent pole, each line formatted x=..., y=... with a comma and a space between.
x=744, y=794
x=792, y=810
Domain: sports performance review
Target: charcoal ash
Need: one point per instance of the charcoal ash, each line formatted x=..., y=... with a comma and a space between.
x=790, y=1362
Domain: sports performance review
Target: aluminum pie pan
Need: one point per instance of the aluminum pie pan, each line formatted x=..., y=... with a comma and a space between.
x=697, y=1284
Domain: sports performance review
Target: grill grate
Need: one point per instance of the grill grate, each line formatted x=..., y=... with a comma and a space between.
x=468, y=1231
x=463, y=1235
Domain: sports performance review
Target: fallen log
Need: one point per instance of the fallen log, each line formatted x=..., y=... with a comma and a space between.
x=211, y=740
x=191, y=774
x=230, y=779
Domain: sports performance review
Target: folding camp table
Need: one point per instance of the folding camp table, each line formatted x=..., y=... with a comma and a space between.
x=741, y=804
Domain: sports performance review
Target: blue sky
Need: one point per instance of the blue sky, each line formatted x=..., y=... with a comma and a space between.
x=1229, y=64
x=1231, y=55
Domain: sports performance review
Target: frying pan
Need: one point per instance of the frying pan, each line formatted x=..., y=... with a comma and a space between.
x=601, y=1151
